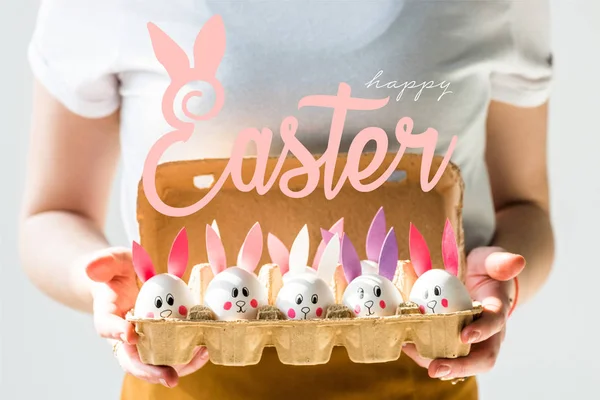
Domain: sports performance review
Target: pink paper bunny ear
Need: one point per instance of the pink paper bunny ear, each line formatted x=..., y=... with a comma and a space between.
x=178, y=256
x=376, y=236
x=419, y=252
x=278, y=252
x=167, y=52
x=142, y=263
x=350, y=259
x=388, y=259
x=450, y=249
x=215, y=251
x=337, y=227
x=251, y=251
x=209, y=47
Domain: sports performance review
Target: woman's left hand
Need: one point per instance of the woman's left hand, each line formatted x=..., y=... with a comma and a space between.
x=489, y=279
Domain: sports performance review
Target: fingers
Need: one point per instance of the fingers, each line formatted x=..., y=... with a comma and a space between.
x=492, y=320
x=481, y=359
x=504, y=266
x=111, y=326
x=130, y=362
x=410, y=350
x=496, y=263
x=106, y=264
x=198, y=361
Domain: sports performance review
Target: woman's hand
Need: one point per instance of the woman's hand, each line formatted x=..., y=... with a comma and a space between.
x=114, y=293
x=489, y=279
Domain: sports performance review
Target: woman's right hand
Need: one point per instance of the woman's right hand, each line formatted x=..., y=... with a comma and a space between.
x=114, y=292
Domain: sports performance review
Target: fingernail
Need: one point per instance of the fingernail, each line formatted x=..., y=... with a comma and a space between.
x=473, y=336
x=164, y=383
x=442, y=370
x=204, y=353
x=124, y=338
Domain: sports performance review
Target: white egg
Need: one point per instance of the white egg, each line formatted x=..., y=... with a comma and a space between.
x=235, y=294
x=372, y=295
x=304, y=296
x=164, y=296
x=307, y=270
x=438, y=292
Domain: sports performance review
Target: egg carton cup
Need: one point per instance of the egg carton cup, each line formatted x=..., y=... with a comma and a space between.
x=305, y=342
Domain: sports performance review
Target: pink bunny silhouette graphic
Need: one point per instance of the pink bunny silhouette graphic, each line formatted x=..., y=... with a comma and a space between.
x=209, y=49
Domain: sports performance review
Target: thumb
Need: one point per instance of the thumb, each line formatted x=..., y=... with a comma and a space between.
x=105, y=264
x=497, y=263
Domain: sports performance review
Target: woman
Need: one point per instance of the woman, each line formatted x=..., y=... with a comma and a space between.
x=478, y=70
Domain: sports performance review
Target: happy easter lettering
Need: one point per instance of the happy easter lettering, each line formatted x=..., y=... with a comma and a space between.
x=209, y=47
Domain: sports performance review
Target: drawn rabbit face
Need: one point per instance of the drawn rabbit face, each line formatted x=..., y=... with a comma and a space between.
x=437, y=291
x=370, y=291
x=235, y=292
x=163, y=295
x=306, y=295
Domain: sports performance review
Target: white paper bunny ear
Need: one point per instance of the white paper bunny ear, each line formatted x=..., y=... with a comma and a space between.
x=329, y=259
x=299, y=251
x=215, y=251
x=215, y=228
x=251, y=250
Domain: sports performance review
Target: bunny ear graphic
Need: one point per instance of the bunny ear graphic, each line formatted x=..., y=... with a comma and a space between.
x=278, y=252
x=350, y=259
x=376, y=236
x=142, y=263
x=329, y=259
x=299, y=251
x=167, y=52
x=338, y=228
x=215, y=251
x=251, y=251
x=178, y=256
x=450, y=249
x=419, y=252
x=388, y=259
x=209, y=47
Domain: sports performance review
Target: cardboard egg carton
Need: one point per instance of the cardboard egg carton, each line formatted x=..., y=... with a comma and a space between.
x=305, y=342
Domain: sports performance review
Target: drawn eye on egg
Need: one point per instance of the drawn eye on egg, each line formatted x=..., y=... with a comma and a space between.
x=361, y=293
x=426, y=294
x=437, y=291
x=299, y=299
x=158, y=302
x=170, y=299
x=377, y=291
x=314, y=299
x=234, y=292
x=245, y=292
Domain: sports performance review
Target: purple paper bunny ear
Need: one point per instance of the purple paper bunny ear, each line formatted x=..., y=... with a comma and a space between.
x=350, y=259
x=376, y=236
x=450, y=249
x=388, y=259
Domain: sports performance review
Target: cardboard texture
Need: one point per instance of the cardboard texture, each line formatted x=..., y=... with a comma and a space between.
x=367, y=340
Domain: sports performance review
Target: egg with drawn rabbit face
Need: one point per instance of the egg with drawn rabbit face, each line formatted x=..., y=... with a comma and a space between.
x=304, y=296
x=164, y=296
x=437, y=290
x=235, y=294
x=306, y=293
x=372, y=296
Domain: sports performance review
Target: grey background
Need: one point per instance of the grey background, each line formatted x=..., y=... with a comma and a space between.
x=550, y=352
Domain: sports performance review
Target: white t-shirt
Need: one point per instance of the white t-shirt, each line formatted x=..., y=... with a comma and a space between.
x=96, y=56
